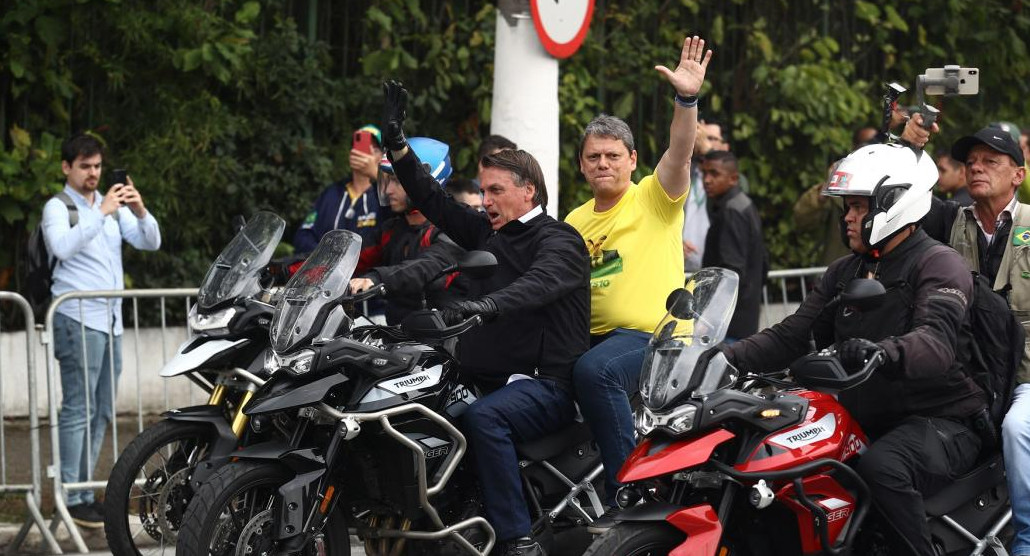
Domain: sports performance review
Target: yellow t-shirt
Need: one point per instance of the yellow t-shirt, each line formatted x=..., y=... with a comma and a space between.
x=636, y=256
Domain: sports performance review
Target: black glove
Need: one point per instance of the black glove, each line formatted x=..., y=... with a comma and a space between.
x=394, y=112
x=854, y=352
x=707, y=355
x=459, y=311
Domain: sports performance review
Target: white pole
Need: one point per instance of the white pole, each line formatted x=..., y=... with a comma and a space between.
x=525, y=97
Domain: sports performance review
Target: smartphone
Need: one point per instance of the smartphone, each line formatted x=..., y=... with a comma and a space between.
x=119, y=175
x=968, y=81
x=362, y=141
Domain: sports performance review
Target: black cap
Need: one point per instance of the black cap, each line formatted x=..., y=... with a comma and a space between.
x=994, y=138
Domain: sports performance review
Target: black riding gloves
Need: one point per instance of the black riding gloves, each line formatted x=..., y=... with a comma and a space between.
x=395, y=103
x=854, y=352
x=461, y=310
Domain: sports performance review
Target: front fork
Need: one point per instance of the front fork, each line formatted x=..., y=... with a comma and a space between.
x=240, y=419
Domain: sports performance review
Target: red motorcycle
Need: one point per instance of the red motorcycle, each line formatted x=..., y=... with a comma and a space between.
x=756, y=465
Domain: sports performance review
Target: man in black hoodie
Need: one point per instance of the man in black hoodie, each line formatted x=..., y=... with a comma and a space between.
x=536, y=306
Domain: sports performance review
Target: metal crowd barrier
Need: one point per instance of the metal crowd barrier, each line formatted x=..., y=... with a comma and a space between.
x=33, y=490
x=61, y=514
x=789, y=298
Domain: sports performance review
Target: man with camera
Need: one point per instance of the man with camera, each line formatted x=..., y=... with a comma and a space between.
x=535, y=309
x=991, y=234
x=84, y=231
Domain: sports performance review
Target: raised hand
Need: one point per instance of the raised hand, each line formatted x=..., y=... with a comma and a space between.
x=395, y=106
x=690, y=73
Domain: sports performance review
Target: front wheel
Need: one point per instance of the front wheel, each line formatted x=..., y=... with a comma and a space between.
x=231, y=515
x=149, y=488
x=637, y=539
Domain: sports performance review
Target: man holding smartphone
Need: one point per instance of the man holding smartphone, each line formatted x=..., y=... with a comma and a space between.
x=349, y=204
x=84, y=231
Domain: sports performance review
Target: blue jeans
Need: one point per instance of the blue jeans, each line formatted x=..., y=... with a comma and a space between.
x=605, y=378
x=1015, y=433
x=519, y=412
x=86, y=374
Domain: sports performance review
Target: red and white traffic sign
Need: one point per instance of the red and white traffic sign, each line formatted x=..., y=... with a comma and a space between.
x=562, y=24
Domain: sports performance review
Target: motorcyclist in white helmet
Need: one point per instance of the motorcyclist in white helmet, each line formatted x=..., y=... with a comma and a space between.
x=919, y=407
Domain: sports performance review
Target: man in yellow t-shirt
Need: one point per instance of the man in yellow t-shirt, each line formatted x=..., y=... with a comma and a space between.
x=633, y=234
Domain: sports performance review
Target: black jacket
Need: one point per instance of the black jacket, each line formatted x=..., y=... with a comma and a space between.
x=404, y=258
x=919, y=325
x=541, y=287
x=734, y=241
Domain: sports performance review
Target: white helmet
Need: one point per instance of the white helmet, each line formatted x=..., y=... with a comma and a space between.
x=898, y=181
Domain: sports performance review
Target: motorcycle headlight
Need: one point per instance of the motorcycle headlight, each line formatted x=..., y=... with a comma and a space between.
x=676, y=422
x=296, y=363
x=218, y=320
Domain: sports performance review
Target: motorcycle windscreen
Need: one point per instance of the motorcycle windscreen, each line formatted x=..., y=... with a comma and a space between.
x=314, y=290
x=697, y=325
x=235, y=272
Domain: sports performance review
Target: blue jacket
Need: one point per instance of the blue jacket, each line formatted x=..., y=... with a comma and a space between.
x=334, y=210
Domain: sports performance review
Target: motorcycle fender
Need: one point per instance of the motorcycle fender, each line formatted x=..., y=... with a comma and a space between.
x=700, y=523
x=653, y=459
x=282, y=392
x=211, y=414
x=193, y=354
x=295, y=494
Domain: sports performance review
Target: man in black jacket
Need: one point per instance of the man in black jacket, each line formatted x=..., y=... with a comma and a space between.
x=918, y=408
x=536, y=306
x=734, y=239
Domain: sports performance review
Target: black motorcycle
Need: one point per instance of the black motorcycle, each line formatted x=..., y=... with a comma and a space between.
x=153, y=480
x=375, y=451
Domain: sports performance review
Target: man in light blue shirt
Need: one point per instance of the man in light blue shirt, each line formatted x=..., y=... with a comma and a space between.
x=87, y=244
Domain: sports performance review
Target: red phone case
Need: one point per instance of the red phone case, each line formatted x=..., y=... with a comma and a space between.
x=362, y=141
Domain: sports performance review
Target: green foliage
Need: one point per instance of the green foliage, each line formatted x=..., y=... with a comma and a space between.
x=228, y=106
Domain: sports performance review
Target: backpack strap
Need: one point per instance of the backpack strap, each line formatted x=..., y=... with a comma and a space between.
x=73, y=209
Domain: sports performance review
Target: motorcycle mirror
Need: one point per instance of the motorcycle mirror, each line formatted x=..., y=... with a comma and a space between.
x=238, y=223
x=681, y=304
x=478, y=264
x=863, y=294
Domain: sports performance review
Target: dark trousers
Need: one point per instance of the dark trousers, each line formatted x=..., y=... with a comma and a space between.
x=921, y=455
x=605, y=379
x=519, y=412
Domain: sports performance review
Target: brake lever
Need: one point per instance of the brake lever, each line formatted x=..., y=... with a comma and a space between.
x=374, y=291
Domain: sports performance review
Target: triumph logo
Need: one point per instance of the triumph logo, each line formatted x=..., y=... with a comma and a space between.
x=807, y=434
x=409, y=382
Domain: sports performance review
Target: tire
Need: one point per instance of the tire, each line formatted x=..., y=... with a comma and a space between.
x=143, y=519
x=233, y=504
x=637, y=539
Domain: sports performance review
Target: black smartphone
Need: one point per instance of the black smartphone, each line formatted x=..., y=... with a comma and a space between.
x=119, y=175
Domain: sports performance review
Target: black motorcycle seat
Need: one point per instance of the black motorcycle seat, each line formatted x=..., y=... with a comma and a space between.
x=553, y=444
x=984, y=476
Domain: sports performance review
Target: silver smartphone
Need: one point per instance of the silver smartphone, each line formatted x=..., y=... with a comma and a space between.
x=968, y=81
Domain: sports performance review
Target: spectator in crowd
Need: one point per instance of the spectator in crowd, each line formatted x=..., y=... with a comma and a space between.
x=349, y=204
x=465, y=191
x=734, y=240
x=695, y=213
x=633, y=233
x=87, y=336
x=995, y=167
x=409, y=251
x=535, y=308
x=952, y=181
